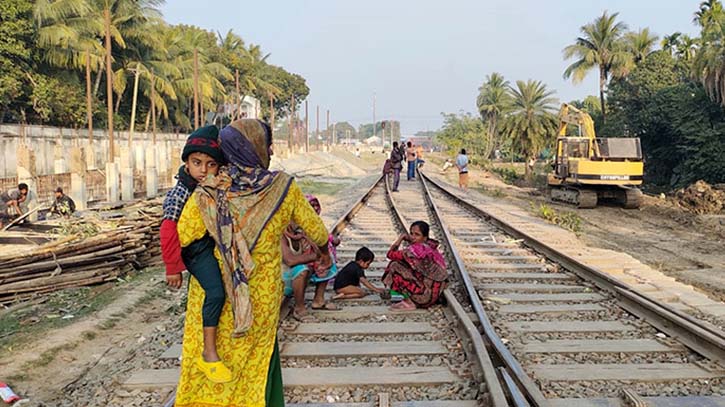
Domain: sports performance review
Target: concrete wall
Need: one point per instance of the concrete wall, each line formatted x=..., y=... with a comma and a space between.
x=51, y=143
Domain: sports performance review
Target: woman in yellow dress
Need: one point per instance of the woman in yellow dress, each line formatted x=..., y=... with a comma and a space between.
x=245, y=209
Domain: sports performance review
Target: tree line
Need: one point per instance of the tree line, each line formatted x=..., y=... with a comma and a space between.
x=55, y=59
x=669, y=92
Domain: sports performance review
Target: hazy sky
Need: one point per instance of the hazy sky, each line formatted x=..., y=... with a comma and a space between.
x=420, y=57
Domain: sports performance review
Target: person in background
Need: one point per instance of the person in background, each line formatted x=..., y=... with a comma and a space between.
x=446, y=165
x=348, y=281
x=10, y=202
x=396, y=162
x=419, y=161
x=418, y=272
x=410, y=157
x=63, y=204
x=462, y=165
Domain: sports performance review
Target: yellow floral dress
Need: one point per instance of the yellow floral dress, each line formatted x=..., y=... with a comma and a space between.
x=247, y=357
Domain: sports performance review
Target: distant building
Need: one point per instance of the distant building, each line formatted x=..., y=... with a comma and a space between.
x=249, y=108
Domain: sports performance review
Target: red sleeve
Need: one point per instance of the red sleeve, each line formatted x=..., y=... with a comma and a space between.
x=171, y=248
x=394, y=254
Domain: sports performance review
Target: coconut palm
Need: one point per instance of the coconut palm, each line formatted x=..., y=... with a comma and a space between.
x=670, y=43
x=600, y=46
x=687, y=48
x=709, y=61
x=531, y=124
x=710, y=16
x=640, y=44
x=68, y=33
x=493, y=101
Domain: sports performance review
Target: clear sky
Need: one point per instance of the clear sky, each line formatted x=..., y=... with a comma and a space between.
x=420, y=57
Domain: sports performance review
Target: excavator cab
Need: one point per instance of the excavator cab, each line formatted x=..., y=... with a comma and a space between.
x=568, y=149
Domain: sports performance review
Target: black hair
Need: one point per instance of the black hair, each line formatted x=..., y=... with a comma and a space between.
x=424, y=228
x=410, y=144
x=364, y=254
x=395, y=144
x=22, y=186
x=463, y=151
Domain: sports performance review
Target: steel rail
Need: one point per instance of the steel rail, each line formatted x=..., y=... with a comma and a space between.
x=495, y=390
x=702, y=338
x=530, y=390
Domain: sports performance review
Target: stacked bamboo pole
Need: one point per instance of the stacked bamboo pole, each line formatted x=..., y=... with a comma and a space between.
x=74, y=261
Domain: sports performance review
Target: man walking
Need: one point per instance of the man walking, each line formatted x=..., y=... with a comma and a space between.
x=396, y=161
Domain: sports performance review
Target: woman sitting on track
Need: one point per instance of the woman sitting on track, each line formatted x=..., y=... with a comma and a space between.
x=245, y=209
x=417, y=272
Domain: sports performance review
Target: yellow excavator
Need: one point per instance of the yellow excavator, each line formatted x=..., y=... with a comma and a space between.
x=588, y=169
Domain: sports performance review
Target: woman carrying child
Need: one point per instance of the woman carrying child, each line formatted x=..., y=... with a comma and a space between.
x=417, y=272
x=245, y=209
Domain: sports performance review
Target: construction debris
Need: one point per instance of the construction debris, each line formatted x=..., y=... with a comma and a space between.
x=88, y=251
x=701, y=198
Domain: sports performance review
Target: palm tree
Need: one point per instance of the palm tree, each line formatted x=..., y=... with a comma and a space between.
x=671, y=42
x=709, y=61
x=687, y=48
x=640, y=44
x=710, y=16
x=600, y=46
x=493, y=101
x=530, y=124
x=68, y=32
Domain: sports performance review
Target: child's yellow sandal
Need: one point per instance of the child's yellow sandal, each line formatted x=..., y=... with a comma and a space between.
x=214, y=371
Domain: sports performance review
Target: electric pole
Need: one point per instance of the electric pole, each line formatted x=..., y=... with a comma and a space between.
x=317, y=132
x=307, y=128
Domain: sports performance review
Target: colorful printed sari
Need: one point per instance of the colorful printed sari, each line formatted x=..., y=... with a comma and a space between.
x=418, y=271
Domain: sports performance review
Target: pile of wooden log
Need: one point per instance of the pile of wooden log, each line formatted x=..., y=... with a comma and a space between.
x=74, y=261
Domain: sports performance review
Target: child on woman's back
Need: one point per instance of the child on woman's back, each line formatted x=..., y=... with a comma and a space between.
x=202, y=156
x=349, y=279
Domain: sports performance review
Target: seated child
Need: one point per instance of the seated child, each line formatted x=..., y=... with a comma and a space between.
x=202, y=156
x=348, y=280
x=297, y=252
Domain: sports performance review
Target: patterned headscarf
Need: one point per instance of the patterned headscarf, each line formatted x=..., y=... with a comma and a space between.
x=237, y=204
x=311, y=198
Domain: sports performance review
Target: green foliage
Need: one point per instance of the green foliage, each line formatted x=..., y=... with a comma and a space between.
x=366, y=130
x=57, y=102
x=530, y=126
x=567, y=220
x=464, y=131
x=508, y=175
x=494, y=101
x=15, y=30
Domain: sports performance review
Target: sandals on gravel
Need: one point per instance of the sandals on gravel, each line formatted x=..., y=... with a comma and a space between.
x=328, y=306
x=301, y=317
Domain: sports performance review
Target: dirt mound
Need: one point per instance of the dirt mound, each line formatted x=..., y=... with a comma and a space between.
x=701, y=198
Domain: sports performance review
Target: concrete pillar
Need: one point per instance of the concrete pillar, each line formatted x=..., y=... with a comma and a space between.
x=151, y=175
x=112, y=182
x=126, y=174
x=175, y=163
x=27, y=174
x=139, y=161
x=78, y=166
x=60, y=165
x=90, y=154
x=163, y=163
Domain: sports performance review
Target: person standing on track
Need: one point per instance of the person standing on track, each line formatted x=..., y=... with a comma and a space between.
x=462, y=165
x=410, y=157
x=245, y=209
x=396, y=162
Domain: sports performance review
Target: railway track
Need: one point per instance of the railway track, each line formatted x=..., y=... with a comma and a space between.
x=583, y=339
x=549, y=332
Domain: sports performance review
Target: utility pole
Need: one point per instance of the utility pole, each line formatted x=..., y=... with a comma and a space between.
x=317, y=132
x=374, y=129
x=196, y=89
x=307, y=128
x=327, y=128
x=109, y=82
x=137, y=76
